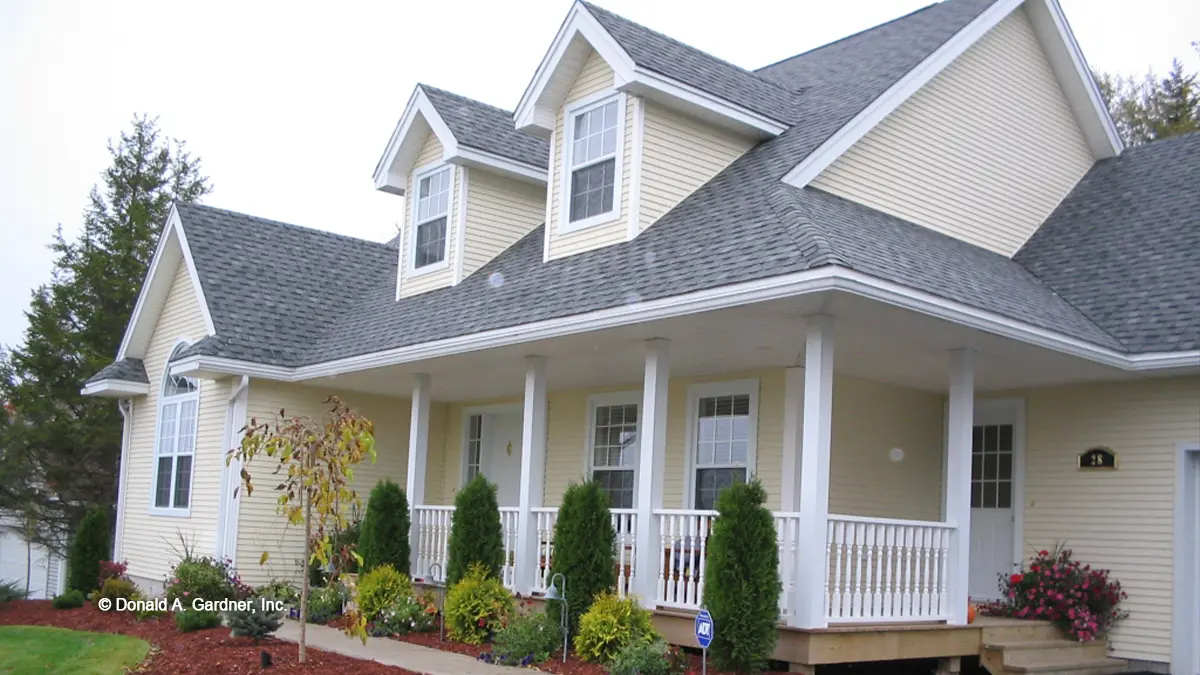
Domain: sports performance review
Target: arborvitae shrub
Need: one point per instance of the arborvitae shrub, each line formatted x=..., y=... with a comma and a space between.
x=383, y=533
x=584, y=543
x=475, y=534
x=742, y=588
x=92, y=543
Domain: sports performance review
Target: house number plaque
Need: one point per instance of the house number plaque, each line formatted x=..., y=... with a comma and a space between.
x=1098, y=459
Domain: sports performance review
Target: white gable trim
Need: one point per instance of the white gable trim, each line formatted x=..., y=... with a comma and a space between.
x=823, y=279
x=394, y=168
x=1089, y=110
x=172, y=249
x=543, y=96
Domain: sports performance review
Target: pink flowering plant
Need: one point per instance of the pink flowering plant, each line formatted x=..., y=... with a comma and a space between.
x=1082, y=601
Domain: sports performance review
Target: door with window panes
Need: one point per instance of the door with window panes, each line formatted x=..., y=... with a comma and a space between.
x=992, y=516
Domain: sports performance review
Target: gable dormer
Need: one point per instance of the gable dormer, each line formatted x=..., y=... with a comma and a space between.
x=628, y=140
x=473, y=186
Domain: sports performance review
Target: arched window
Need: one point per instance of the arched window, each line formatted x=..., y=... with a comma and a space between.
x=176, y=442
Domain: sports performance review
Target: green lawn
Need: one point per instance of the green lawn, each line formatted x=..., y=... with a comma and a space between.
x=57, y=651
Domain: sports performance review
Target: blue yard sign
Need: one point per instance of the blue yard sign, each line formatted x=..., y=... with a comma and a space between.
x=704, y=629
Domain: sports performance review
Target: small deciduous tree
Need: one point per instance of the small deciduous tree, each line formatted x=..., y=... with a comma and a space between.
x=584, y=542
x=317, y=460
x=742, y=590
x=383, y=536
x=475, y=533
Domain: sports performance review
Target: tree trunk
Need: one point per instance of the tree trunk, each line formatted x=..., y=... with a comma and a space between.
x=304, y=573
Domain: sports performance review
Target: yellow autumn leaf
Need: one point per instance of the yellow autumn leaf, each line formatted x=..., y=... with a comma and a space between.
x=262, y=559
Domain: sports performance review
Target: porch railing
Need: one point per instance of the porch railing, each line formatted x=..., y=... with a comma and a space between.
x=544, y=519
x=432, y=524
x=508, y=533
x=881, y=570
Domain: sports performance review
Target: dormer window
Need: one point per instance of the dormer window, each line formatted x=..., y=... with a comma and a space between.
x=430, y=218
x=593, y=157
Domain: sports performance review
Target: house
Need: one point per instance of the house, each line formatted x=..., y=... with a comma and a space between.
x=911, y=280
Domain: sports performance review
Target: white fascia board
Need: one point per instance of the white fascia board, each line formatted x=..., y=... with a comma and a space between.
x=537, y=117
x=528, y=173
x=829, y=278
x=392, y=178
x=702, y=104
x=1071, y=68
x=897, y=94
x=108, y=388
x=156, y=287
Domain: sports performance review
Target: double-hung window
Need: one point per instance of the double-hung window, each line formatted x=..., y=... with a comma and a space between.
x=431, y=216
x=175, y=447
x=594, y=137
x=614, y=449
x=725, y=418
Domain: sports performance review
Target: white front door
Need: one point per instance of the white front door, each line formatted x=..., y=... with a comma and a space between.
x=993, y=472
x=502, y=456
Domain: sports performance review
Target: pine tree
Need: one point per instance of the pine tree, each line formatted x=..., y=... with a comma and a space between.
x=61, y=451
x=475, y=533
x=1176, y=104
x=584, y=543
x=1151, y=109
x=743, y=587
x=383, y=535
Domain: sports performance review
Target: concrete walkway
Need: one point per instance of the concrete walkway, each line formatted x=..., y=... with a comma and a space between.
x=393, y=652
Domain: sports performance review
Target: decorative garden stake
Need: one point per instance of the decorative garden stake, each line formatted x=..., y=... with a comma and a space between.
x=441, y=586
x=564, y=617
x=316, y=460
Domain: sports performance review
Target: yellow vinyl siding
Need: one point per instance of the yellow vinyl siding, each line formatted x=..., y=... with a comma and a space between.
x=152, y=543
x=595, y=76
x=1119, y=520
x=680, y=154
x=864, y=480
x=983, y=152
x=499, y=212
x=261, y=528
x=414, y=283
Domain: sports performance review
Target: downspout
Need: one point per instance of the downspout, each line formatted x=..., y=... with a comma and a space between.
x=125, y=405
x=228, y=512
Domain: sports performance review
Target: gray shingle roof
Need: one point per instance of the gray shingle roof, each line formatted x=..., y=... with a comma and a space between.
x=126, y=370
x=668, y=56
x=1124, y=246
x=284, y=295
x=486, y=127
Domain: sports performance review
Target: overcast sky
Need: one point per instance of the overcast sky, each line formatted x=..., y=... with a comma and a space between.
x=290, y=104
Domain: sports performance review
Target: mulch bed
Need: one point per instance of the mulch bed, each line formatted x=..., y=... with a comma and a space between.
x=206, y=652
x=573, y=666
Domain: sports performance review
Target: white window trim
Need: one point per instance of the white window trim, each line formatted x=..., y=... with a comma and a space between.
x=411, y=253
x=748, y=387
x=172, y=511
x=565, y=226
x=589, y=445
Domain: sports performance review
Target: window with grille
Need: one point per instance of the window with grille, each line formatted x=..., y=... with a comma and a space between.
x=474, y=445
x=430, y=218
x=594, y=137
x=175, y=446
x=723, y=445
x=615, y=450
x=992, y=466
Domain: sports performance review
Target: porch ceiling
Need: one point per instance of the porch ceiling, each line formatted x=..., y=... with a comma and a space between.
x=874, y=341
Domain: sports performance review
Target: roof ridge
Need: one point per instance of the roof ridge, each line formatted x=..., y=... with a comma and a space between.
x=845, y=37
x=476, y=101
x=278, y=223
x=592, y=6
x=803, y=231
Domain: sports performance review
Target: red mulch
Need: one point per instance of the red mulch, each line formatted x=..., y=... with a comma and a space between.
x=206, y=652
x=573, y=666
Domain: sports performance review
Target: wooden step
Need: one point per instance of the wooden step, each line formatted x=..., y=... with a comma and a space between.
x=1025, y=631
x=1049, y=652
x=1104, y=666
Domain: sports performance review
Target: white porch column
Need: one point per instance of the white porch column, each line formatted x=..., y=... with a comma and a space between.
x=418, y=452
x=961, y=415
x=814, y=474
x=533, y=473
x=652, y=454
x=793, y=413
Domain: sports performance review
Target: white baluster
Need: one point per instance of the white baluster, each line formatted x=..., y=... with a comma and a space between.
x=859, y=540
x=871, y=591
x=830, y=591
x=705, y=526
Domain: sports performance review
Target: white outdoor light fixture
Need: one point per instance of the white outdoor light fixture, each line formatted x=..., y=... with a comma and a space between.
x=564, y=621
